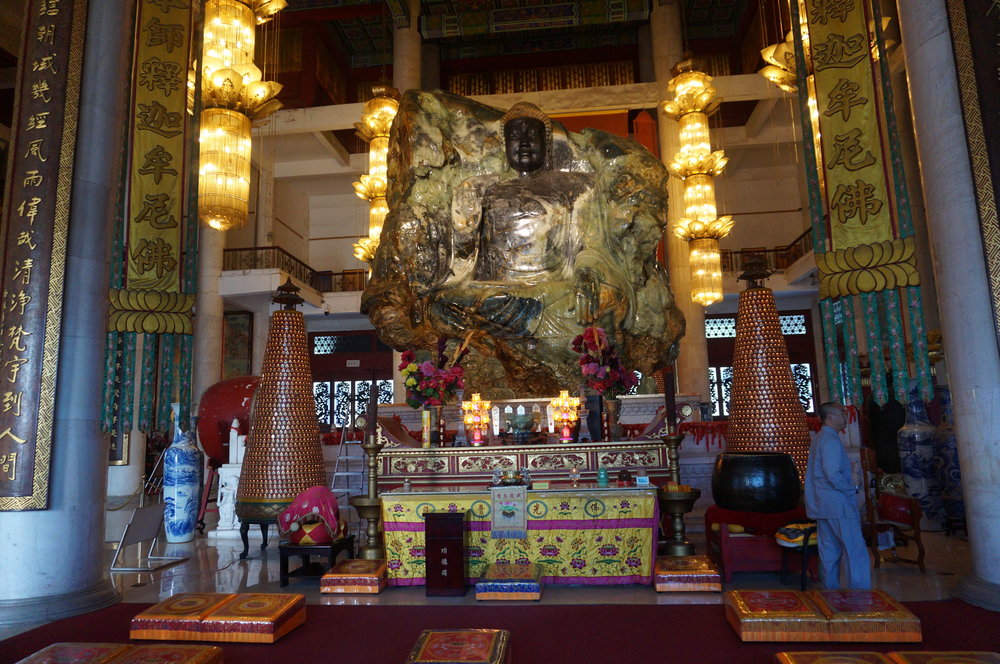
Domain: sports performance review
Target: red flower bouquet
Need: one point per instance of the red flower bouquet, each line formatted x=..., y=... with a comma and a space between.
x=601, y=366
x=430, y=384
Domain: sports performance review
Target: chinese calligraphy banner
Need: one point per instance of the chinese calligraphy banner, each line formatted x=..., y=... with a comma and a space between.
x=157, y=173
x=866, y=255
x=35, y=222
x=863, y=234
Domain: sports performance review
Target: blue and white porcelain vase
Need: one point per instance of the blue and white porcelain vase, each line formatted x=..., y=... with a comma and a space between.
x=946, y=463
x=916, y=441
x=181, y=472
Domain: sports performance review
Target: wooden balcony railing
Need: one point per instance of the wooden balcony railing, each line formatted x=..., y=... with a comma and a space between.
x=776, y=259
x=260, y=258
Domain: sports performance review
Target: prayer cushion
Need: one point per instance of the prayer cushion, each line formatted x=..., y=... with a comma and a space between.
x=355, y=576
x=860, y=657
x=461, y=646
x=686, y=574
x=255, y=618
x=793, y=533
x=774, y=615
x=506, y=581
x=245, y=617
x=945, y=657
x=177, y=618
x=76, y=653
x=866, y=616
x=120, y=653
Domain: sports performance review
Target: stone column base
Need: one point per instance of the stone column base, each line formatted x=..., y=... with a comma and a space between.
x=45, y=609
x=978, y=592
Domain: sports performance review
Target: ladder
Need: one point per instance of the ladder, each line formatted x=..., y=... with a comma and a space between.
x=350, y=478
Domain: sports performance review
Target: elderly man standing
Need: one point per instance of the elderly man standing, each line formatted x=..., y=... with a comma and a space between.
x=831, y=499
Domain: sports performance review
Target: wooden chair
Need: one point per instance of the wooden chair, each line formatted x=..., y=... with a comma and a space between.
x=888, y=512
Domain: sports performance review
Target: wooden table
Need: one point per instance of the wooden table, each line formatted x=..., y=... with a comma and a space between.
x=587, y=535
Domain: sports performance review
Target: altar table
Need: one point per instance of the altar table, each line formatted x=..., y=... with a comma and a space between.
x=588, y=535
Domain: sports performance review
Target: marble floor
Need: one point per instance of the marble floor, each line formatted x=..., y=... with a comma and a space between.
x=213, y=565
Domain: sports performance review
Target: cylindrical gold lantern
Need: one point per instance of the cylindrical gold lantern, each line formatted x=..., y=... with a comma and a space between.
x=224, y=170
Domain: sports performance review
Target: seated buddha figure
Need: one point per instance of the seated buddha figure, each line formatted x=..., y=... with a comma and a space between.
x=512, y=237
x=515, y=273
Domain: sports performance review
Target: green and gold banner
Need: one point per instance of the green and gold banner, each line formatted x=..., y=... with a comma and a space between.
x=34, y=231
x=859, y=204
x=158, y=159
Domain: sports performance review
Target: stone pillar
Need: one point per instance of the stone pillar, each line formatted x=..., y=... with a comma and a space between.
x=692, y=362
x=406, y=52
x=970, y=339
x=207, y=368
x=41, y=580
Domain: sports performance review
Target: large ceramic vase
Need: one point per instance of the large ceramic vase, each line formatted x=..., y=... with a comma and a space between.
x=756, y=482
x=181, y=473
x=946, y=463
x=916, y=441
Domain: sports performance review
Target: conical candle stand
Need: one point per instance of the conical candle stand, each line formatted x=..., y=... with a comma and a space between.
x=370, y=507
x=676, y=502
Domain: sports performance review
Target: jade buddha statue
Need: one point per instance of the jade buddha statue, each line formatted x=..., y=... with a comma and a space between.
x=510, y=234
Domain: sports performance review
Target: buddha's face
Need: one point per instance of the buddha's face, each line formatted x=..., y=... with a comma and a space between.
x=524, y=139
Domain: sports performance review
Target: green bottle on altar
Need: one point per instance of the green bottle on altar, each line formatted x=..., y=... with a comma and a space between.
x=602, y=476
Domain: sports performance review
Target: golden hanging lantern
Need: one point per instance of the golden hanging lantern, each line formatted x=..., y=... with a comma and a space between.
x=697, y=165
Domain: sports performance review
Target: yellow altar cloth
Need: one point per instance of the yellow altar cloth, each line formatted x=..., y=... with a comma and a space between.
x=586, y=535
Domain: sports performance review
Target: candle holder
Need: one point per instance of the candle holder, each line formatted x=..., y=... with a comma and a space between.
x=676, y=500
x=370, y=507
x=476, y=416
x=565, y=412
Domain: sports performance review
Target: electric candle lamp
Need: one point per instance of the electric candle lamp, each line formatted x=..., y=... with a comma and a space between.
x=476, y=415
x=565, y=411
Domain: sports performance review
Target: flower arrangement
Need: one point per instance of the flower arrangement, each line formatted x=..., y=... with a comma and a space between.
x=601, y=366
x=429, y=383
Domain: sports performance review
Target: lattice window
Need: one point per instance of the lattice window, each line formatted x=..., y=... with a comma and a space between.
x=342, y=401
x=385, y=391
x=362, y=393
x=802, y=373
x=324, y=345
x=793, y=324
x=720, y=328
x=341, y=343
x=321, y=394
x=713, y=390
x=727, y=388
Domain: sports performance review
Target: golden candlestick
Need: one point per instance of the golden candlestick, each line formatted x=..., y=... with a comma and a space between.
x=676, y=499
x=370, y=507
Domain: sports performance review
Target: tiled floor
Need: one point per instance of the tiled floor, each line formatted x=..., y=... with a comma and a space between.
x=214, y=566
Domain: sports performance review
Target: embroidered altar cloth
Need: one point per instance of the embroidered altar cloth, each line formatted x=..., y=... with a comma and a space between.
x=586, y=536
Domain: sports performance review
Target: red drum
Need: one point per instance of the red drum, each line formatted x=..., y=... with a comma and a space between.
x=220, y=404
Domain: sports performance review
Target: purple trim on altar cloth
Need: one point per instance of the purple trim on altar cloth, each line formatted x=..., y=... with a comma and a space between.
x=580, y=524
x=559, y=580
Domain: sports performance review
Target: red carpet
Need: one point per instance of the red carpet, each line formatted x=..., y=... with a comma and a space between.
x=674, y=633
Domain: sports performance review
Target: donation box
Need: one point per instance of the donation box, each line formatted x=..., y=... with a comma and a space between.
x=444, y=534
